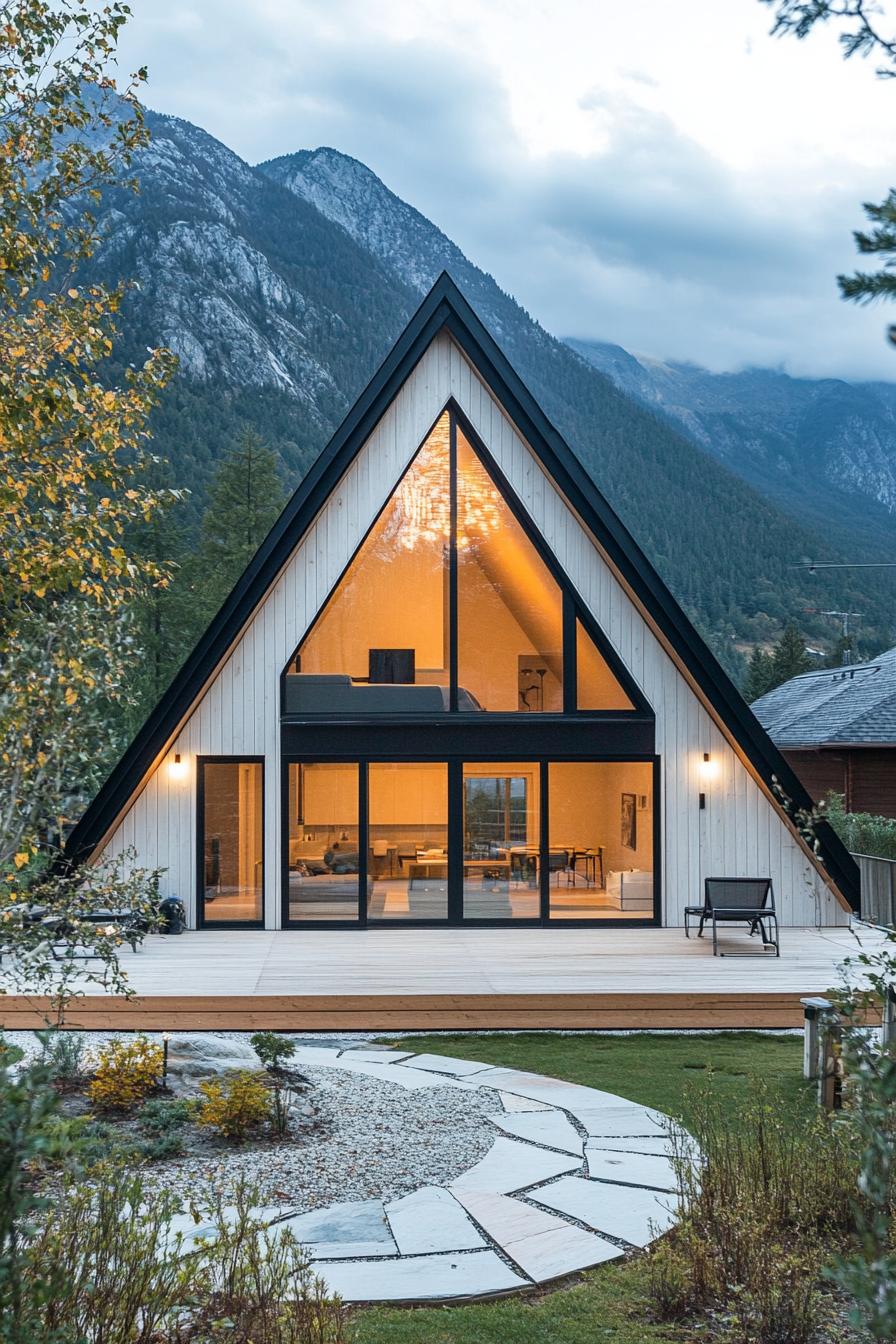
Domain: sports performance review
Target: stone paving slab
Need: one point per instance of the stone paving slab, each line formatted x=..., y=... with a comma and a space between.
x=661, y=1147
x=344, y=1230
x=410, y=1079
x=543, y=1245
x=643, y=1169
x=191, y=1231
x=511, y=1165
x=420, y=1278
x=555, y=1091
x=551, y=1128
x=622, y=1122
x=382, y=1054
x=460, y=1068
x=512, y=1103
x=431, y=1220
x=633, y=1215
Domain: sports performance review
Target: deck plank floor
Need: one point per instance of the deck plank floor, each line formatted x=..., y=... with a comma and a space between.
x=455, y=978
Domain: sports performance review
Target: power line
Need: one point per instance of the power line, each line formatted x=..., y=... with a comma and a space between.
x=813, y=565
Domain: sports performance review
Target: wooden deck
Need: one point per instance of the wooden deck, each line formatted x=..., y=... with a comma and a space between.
x=455, y=979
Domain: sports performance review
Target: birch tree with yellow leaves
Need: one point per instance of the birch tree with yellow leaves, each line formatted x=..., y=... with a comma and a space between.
x=74, y=448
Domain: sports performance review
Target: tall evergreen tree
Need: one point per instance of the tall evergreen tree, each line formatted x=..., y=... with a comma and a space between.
x=767, y=670
x=760, y=675
x=166, y=621
x=246, y=497
x=789, y=658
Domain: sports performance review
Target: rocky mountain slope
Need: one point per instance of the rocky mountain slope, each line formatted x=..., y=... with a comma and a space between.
x=824, y=448
x=281, y=288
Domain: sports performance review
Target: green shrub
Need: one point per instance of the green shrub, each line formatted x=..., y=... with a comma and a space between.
x=164, y=1124
x=125, y=1072
x=62, y=1053
x=236, y=1104
x=266, y=1291
x=861, y=832
x=160, y=1116
x=274, y=1051
x=271, y=1049
x=28, y=1104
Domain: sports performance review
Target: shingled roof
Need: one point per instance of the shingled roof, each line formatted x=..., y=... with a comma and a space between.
x=840, y=706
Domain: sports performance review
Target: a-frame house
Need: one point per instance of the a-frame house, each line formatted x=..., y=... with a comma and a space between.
x=450, y=688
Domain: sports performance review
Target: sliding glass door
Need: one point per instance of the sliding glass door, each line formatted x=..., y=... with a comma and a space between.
x=323, y=839
x=407, y=841
x=470, y=842
x=502, y=840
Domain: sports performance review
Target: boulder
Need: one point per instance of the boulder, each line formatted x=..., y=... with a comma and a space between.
x=195, y=1056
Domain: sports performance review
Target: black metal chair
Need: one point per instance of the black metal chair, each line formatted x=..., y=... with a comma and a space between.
x=739, y=900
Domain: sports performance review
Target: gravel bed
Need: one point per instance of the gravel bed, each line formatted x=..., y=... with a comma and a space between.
x=374, y=1140
x=371, y=1139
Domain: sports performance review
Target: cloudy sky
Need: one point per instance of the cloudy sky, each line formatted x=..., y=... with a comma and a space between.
x=660, y=173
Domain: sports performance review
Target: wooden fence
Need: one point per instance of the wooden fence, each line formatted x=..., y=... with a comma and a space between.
x=878, y=889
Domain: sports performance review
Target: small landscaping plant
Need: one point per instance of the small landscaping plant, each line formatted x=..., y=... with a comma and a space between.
x=274, y=1051
x=125, y=1073
x=62, y=1054
x=236, y=1104
x=165, y=1123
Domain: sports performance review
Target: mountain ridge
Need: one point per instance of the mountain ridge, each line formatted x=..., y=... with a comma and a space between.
x=283, y=285
x=826, y=446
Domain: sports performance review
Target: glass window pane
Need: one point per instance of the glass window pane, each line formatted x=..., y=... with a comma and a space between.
x=233, y=840
x=407, y=842
x=383, y=635
x=501, y=840
x=324, y=856
x=597, y=687
x=601, y=839
x=510, y=628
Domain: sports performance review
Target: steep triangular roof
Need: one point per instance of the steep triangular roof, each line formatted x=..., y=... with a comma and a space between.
x=445, y=308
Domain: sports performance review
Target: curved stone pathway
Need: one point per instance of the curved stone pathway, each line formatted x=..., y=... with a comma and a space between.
x=574, y=1177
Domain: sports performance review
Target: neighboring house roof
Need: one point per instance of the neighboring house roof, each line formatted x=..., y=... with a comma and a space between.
x=838, y=706
x=445, y=308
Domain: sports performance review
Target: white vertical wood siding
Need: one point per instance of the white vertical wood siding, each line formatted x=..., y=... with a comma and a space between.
x=740, y=833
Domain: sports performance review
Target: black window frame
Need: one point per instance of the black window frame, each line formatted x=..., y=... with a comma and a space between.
x=455, y=763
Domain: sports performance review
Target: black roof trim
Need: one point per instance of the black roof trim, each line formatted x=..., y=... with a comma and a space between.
x=445, y=307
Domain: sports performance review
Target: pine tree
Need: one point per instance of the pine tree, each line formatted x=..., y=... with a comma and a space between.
x=760, y=675
x=245, y=499
x=789, y=658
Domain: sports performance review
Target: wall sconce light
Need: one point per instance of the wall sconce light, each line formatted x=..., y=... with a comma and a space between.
x=177, y=768
x=708, y=767
x=708, y=771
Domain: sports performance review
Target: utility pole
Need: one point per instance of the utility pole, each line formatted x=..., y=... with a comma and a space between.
x=844, y=616
x=846, y=657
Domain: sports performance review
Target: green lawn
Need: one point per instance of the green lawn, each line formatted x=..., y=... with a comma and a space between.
x=607, y=1304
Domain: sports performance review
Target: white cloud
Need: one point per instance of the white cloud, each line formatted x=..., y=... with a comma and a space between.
x=665, y=176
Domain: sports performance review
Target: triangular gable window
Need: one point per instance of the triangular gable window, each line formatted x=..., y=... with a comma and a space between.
x=448, y=605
